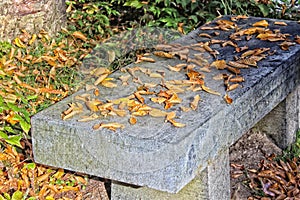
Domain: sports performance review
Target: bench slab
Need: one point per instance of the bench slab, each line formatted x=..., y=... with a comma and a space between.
x=156, y=154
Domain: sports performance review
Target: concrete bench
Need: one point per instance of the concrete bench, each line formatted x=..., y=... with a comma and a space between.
x=185, y=157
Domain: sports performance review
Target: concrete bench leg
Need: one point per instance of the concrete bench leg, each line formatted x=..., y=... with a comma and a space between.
x=213, y=183
x=282, y=123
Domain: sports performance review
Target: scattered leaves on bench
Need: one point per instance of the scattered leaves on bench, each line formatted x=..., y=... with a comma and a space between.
x=199, y=59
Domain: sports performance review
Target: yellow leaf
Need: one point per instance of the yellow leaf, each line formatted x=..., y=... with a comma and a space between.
x=174, y=99
x=262, y=23
x=19, y=43
x=280, y=23
x=112, y=126
x=33, y=38
x=100, y=79
x=170, y=116
x=177, y=124
x=157, y=113
x=132, y=120
x=158, y=99
x=108, y=84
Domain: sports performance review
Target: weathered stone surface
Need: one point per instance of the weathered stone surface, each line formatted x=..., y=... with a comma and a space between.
x=211, y=183
x=282, y=122
x=156, y=154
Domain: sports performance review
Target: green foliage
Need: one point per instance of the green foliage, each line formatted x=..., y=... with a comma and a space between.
x=16, y=122
x=91, y=17
x=17, y=195
x=293, y=151
x=4, y=48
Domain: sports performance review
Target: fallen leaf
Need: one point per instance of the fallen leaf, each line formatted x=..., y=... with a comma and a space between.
x=262, y=23
x=147, y=59
x=228, y=99
x=238, y=65
x=111, y=126
x=207, y=89
x=79, y=35
x=159, y=100
x=89, y=118
x=280, y=23
x=132, y=120
x=157, y=113
x=219, y=64
x=232, y=87
x=93, y=105
x=163, y=54
x=74, y=109
x=170, y=116
x=194, y=103
x=177, y=124
x=100, y=79
x=108, y=84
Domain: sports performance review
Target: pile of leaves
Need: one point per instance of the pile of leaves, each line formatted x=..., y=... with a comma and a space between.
x=20, y=179
x=35, y=72
x=274, y=178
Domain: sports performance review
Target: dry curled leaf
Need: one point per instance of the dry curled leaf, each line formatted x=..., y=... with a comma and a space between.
x=194, y=103
x=207, y=89
x=228, y=99
x=111, y=126
x=132, y=120
x=280, y=23
x=262, y=23
x=219, y=64
x=163, y=54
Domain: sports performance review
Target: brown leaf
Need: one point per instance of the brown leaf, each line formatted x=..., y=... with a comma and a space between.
x=204, y=35
x=163, y=54
x=238, y=65
x=232, y=87
x=139, y=97
x=219, y=64
x=228, y=99
x=79, y=35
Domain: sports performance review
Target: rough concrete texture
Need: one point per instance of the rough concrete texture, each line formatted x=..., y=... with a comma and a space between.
x=282, y=122
x=156, y=154
x=212, y=177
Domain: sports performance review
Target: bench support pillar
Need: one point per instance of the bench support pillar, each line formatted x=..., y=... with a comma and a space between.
x=282, y=123
x=213, y=183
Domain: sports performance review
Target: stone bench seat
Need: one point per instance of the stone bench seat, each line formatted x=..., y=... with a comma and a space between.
x=185, y=157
